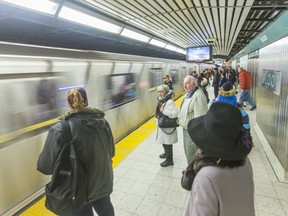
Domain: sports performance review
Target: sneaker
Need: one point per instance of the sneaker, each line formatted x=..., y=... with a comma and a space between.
x=162, y=156
x=253, y=108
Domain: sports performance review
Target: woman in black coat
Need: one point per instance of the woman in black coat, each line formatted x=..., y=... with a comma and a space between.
x=94, y=145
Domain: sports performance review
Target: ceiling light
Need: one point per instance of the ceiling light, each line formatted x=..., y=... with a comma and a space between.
x=79, y=17
x=170, y=47
x=179, y=50
x=157, y=43
x=210, y=40
x=166, y=30
x=44, y=6
x=135, y=35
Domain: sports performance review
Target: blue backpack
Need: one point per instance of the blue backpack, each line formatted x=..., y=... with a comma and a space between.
x=67, y=191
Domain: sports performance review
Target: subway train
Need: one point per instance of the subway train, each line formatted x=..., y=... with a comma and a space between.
x=34, y=82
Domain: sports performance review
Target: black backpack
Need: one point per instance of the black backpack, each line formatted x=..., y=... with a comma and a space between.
x=67, y=191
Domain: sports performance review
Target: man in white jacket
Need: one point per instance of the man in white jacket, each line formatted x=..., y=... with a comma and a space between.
x=192, y=106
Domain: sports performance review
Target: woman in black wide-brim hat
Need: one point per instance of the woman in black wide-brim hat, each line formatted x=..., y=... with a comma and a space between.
x=223, y=183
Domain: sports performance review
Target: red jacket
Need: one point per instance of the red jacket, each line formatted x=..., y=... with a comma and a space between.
x=245, y=79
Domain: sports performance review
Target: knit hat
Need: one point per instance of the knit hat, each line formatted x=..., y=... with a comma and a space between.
x=218, y=132
x=227, y=86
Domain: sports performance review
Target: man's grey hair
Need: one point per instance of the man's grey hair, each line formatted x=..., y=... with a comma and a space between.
x=192, y=79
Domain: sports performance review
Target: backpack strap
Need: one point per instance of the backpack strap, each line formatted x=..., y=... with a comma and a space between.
x=68, y=137
x=67, y=130
x=72, y=154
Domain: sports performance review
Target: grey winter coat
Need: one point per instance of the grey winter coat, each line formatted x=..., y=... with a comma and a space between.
x=94, y=143
x=218, y=191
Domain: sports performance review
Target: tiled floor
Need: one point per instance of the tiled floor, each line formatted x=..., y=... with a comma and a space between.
x=143, y=188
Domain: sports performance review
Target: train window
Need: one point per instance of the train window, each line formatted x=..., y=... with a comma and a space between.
x=155, y=78
x=183, y=72
x=121, y=88
x=174, y=75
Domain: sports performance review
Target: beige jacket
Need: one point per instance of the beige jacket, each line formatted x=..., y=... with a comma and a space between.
x=192, y=108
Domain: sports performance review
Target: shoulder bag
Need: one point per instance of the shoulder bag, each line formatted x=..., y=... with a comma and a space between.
x=166, y=122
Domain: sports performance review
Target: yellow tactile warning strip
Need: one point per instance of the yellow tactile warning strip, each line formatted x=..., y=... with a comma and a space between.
x=123, y=149
x=14, y=134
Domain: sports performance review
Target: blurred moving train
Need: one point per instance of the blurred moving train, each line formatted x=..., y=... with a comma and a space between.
x=34, y=82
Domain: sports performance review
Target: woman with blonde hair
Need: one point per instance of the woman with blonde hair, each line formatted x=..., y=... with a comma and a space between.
x=94, y=146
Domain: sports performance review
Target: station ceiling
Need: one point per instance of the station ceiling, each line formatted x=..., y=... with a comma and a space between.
x=227, y=25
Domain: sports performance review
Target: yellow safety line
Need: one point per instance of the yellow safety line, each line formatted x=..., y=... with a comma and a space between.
x=14, y=134
x=123, y=149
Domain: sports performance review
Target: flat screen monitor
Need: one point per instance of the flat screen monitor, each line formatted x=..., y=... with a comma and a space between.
x=199, y=54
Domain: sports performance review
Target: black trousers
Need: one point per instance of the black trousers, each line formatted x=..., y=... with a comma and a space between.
x=103, y=207
x=216, y=90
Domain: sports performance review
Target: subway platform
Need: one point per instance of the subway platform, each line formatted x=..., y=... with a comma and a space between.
x=143, y=188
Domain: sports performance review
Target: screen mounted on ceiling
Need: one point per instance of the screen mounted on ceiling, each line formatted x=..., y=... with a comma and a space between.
x=199, y=54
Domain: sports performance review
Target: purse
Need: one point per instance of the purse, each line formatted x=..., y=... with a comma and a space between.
x=188, y=176
x=201, y=160
x=166, y=122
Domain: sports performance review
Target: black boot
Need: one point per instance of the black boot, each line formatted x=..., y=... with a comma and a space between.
x=167, y=163
x=169, y=158
x=165, y=152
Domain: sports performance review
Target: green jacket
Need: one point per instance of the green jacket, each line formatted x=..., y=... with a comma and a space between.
x=94, y=143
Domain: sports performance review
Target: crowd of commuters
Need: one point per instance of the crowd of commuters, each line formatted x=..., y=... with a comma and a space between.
x=216, y=143
x=221, y=75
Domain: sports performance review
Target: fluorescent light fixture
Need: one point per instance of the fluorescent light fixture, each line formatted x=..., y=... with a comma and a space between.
x=170, y=47
x=70, y=87
x=135, y=35
x=105, y=8
x=82, y=18
x=179, y=50
x=44, y=6
x=157, y=43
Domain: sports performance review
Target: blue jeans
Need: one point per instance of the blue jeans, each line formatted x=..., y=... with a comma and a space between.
x=103, y=207
x=245, y=96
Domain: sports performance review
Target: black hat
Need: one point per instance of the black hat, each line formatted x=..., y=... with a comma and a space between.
x=218, y=132
x=227, y=86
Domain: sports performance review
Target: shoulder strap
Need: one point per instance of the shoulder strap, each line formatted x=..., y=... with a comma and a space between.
x=67, y=130
x=68, y=136
x=72, y=154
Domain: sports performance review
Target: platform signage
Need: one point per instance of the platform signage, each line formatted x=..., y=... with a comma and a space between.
x=272, y=80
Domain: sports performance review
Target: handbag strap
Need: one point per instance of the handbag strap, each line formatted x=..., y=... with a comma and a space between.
x=167, y=132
